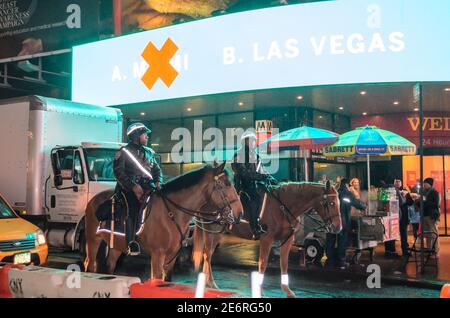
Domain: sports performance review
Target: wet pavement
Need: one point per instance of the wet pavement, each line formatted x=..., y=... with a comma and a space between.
x=244, y=253
x=235, y=259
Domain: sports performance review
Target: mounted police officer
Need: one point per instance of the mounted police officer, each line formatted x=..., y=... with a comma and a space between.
x=247, y=166
x=137, y=173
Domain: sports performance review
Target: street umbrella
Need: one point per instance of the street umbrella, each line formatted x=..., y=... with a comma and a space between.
x=304, y=138
x=370, y=140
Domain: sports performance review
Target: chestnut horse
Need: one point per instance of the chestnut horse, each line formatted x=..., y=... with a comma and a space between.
x=281, y=208
x=172, y=209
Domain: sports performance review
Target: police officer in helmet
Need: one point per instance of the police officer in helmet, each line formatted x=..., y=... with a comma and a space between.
x=137, y=173
x=247, y=166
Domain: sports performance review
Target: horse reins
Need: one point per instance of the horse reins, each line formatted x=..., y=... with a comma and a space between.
x=286, y=212
x=222, y=219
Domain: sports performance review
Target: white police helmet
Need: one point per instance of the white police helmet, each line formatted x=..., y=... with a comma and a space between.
x=137, y=129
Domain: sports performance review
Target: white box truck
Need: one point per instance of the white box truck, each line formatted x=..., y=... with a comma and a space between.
x=55, y=156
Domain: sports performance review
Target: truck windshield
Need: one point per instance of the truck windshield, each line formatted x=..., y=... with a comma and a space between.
x=99, y=163
x=5, y=211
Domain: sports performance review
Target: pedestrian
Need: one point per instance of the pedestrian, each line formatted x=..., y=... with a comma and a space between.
x=355, y=188
x=431, y=213
x=336, y=244
x=404, y=201
x=414, y=214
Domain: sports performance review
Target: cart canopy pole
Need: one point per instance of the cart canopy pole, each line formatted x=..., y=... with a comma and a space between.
x=306, y=164
x=368, y=184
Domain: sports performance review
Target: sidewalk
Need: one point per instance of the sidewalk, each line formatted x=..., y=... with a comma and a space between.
x=243, y=253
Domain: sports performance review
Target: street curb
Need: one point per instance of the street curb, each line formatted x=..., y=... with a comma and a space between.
x=388, y=279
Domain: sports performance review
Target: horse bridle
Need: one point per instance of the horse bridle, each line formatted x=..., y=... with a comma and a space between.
x=328, y=219
x=223, y=215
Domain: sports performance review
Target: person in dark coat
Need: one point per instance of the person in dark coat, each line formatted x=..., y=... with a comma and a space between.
x=336, y=244
x=404, y=200
x=248, y=178
x=431, y=212
x=137, y=173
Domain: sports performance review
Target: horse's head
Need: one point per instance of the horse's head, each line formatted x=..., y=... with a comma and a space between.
x=221, y=193
x=328, y=209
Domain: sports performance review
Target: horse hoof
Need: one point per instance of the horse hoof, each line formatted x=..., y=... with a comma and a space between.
x=288, y=292
x=290, y=295
x=212, y=285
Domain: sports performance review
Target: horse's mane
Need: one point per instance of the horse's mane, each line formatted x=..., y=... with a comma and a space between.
x=188, y=179
x=292, y=186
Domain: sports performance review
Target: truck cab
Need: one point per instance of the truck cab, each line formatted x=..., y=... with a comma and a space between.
x=77, y=174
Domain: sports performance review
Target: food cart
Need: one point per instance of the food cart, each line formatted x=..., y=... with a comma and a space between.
x=369, y=229
x=379, y=225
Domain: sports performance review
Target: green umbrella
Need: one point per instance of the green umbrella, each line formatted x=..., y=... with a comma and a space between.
x=370, y=140
x=303, y=137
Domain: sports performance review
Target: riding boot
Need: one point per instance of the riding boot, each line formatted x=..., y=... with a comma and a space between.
x=130, y=235
x=254, y=225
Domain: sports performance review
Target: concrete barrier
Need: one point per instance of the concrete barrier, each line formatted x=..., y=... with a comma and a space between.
x=90, y=285
x=4, y=281
x=34, y=281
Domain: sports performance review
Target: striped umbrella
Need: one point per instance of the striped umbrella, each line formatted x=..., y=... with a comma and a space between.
x=302, y=138
x=368, y=141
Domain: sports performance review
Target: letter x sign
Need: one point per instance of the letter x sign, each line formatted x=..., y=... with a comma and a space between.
x=159, y=63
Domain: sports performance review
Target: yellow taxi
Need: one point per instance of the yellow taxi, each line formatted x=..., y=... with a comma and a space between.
x=21, y=242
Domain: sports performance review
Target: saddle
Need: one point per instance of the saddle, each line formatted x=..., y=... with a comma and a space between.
x=104, y=213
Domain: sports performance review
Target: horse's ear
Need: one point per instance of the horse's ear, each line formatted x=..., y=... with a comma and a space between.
x=328, y=186
x=219, y=168
x=215, y=164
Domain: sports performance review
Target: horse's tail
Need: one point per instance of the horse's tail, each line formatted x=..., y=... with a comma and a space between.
x=198, y=244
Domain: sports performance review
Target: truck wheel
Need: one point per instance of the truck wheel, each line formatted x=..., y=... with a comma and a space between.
x=314, y=251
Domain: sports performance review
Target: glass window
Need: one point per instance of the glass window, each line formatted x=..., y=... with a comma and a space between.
x=232, y=125
x=186, y=167
x=160, y=139
x=78, y=177
x=66, y=163
x=170, y=170
x=322, y=120
x=198, y=142
x=99, y=163
x=5, y=211
x=342, y=124
x=328, y=171
x=282, y=118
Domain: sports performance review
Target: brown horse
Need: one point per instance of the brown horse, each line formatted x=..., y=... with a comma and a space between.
x=172, y=210
x=281, y=209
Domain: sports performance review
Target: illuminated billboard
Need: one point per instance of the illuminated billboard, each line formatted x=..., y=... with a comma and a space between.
x=322, y=43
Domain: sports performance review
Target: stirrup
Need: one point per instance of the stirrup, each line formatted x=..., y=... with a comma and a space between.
x=134, y=253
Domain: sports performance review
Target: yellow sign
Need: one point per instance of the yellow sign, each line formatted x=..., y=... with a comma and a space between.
x=263, y=126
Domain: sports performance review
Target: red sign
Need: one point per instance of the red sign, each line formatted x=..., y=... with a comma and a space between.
x=436, y=126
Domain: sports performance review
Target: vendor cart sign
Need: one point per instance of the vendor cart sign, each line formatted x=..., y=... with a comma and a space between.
x=321, y=43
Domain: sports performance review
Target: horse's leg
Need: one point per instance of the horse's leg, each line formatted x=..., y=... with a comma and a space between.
x=168, y=271
x=210, y=245
x=92, y=244
x=157, y=260
x=111, y=260
x=284, y=259
x=265, y=244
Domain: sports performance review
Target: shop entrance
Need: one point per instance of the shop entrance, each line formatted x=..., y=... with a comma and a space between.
x=438, y=168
